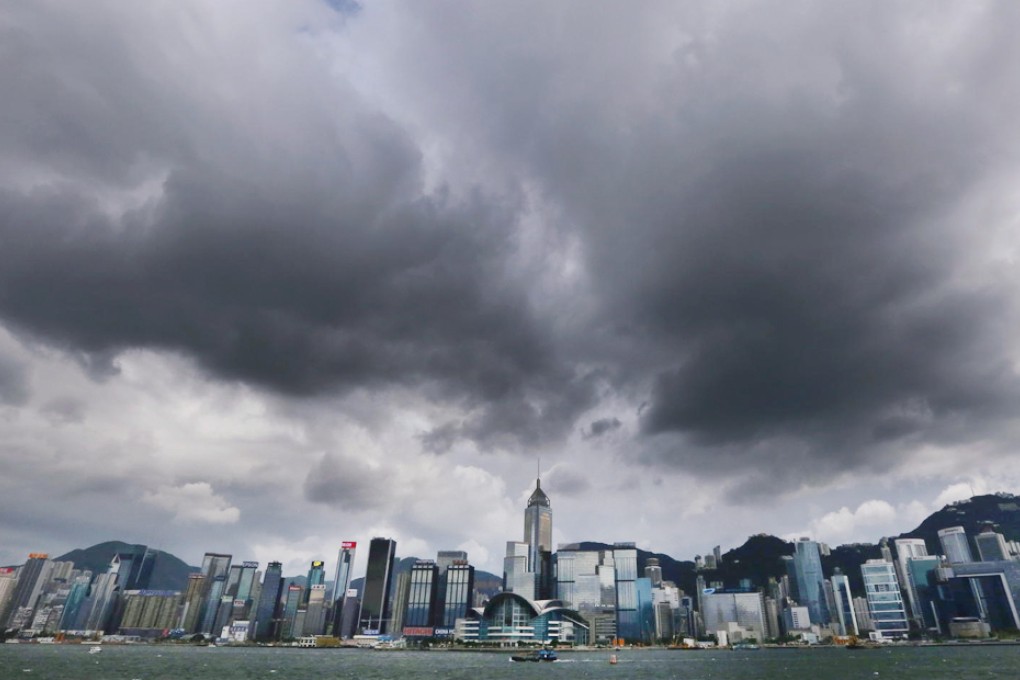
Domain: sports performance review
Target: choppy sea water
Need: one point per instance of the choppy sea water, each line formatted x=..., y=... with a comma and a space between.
x=73, y=662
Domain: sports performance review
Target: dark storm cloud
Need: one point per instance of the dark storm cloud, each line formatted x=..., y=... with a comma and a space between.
x=773, y=210
x=305, y=262
x=778, y=213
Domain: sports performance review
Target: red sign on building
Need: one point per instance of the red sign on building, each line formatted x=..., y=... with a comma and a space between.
x=418, y=631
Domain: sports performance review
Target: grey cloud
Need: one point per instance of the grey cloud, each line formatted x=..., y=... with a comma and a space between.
x=566, y=482
x=602, y=426
x=14, y=382
x=304, y=262
x=772, y=213
x=346, y=483
x=775, y=218
x=64, y=410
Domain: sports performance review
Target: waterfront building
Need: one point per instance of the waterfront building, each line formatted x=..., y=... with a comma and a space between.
x=342, y=582
x=101, y=601
x=843, y=605
x=401, y=594
x=76, y=595
x=808, y=580
x=192, y=611
x=923, y=581
x=861, y=613
x=510, y=619
x=147, y=613
x=213, y=600
x=444, y=560
x=374, y=618
x=31, y=577
x=907, y=549
x=628, y=615
x=744, y=608
x=955, y=545
x=349, y=615
x=267, y=612
x=315, y=610
x=460, y=585
x=419, y=617
x=989, y=591
x=797, y=618
x=885, y=602
x=290, y=612
x=586, y=582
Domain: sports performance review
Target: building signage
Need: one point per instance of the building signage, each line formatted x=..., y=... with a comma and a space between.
x=317, y=563
x=250, y=565
x=349, y=545
x=370, y=631
x=418, y=631
x=444, y=632
x=38, y=556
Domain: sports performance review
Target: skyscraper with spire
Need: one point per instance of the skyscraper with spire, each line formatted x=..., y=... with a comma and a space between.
x=538, y=536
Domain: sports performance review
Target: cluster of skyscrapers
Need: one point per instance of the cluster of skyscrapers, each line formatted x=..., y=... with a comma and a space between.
x=570, y=596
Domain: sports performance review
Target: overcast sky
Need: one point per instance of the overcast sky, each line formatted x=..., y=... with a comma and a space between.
x=278, y=275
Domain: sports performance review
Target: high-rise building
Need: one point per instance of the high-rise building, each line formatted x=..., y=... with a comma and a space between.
x=809, y=581
x=628, y=618
x=134, y=567
x=214, y=565
x=374, y=618
x=267, y=613
x=315, y=611
x=991, y=546
x=844, y=605
x=922, y=578
x=517, y=578
x=460, y=584
x=28, y=586
x=538, y=536
x=955, y=545
x=316, y=577
x=401, y=594
x=653, y=571
x=906, y=549
x=342, y=582
x=213, y=600
x=290, y=612
x=191, y=613
x=885, y=603
x=444, y=559
x=419, y=619
x=744, y=609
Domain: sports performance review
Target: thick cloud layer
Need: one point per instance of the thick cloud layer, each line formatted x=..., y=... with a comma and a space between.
x=720, y=238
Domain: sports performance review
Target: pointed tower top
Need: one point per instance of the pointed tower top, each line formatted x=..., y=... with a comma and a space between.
x=538, y=497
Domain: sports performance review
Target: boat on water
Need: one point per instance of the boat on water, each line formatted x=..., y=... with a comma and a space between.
x=95, y=649
x=744, y=645
x=540, y=655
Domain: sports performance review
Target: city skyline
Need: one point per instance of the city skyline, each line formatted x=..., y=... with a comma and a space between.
x=280, y=275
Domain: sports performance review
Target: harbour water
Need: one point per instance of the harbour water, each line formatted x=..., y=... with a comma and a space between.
x=158, y=662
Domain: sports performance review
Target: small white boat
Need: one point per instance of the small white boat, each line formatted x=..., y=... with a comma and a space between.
x=95, y=649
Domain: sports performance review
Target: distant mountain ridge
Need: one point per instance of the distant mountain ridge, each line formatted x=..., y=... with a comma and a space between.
x=758, y=559
x=168, y=573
